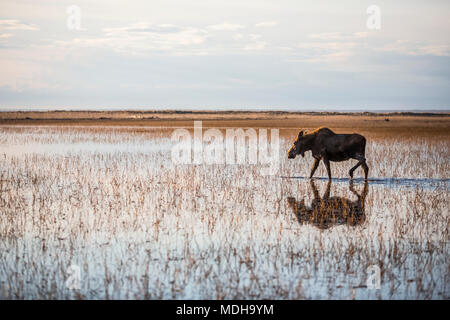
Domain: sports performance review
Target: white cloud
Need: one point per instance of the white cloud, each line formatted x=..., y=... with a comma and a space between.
x=17, y=25
x=142, y=28
x=332, y=47
x=266, y=24
x=142, y=37
x=436, y=50
x=255, y=36
x=256, y=45
x=415, y=48
x=325, y=51
x=327, y=45
x=226, y=27
x=340, y=35
x=6, y=26
x=6, y=35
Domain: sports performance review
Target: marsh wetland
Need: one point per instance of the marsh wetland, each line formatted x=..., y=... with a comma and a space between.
x=108, y=200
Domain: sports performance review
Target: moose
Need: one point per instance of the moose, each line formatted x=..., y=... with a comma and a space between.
x=328, y=146
x=325, y=212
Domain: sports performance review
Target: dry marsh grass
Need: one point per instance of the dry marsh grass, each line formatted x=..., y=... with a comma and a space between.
x=110, y=201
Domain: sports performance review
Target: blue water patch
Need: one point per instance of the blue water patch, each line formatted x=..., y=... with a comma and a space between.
x=424, y=183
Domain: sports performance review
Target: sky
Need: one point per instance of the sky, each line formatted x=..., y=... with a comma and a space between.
x=228, y=54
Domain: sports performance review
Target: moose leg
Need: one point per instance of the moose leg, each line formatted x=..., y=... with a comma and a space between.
x=327, y=165
x=352, y=189
x=326, y=195
x=366, y=169
x=314, y=167
x=361, y=162
x=354, y=168
x=315, y=191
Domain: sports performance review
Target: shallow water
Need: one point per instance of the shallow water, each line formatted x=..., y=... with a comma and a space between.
x=64, y=148
x=138, y=226
x=389, y=182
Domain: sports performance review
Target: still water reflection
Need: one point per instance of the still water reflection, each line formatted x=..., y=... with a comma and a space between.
x=328, y=211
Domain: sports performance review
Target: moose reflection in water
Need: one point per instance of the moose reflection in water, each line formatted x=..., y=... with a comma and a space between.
x=326, y=211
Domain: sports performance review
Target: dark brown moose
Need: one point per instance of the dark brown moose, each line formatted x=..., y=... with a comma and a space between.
x=328, y=146
x=329, y=211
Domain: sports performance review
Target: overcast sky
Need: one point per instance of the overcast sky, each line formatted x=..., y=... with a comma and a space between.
x=230, y=54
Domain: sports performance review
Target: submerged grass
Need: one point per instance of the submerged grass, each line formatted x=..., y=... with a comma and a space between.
x=110, y=201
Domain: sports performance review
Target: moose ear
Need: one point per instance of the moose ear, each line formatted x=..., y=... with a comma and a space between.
x=300, y=134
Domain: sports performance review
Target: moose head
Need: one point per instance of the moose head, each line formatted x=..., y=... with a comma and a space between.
x=298, y=147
